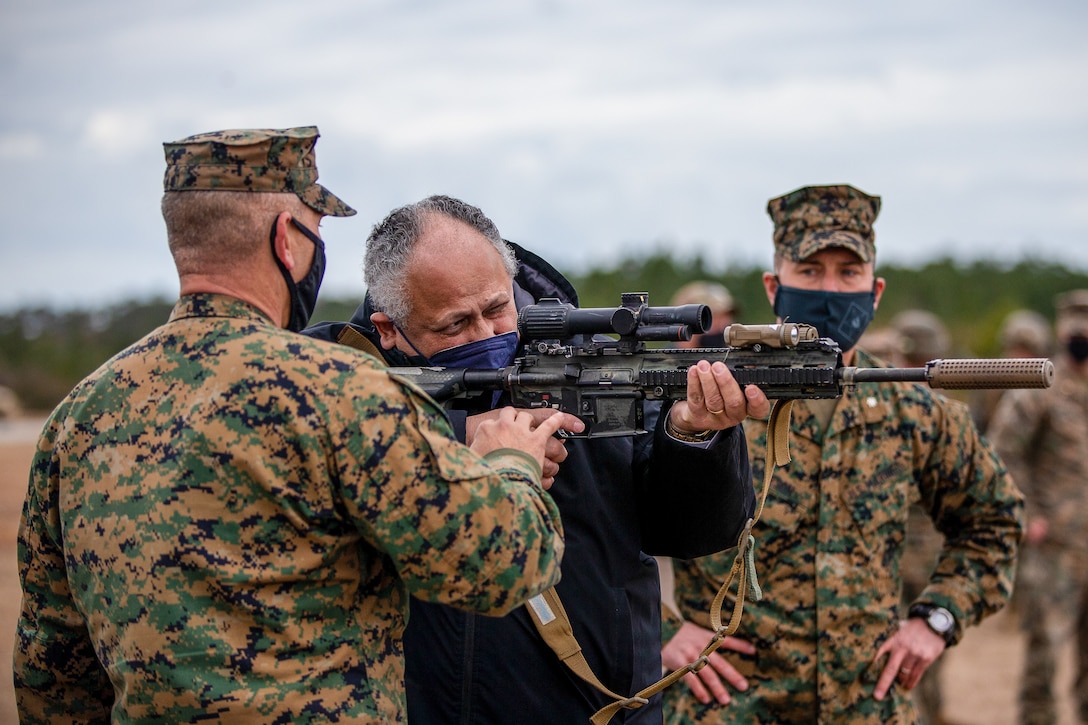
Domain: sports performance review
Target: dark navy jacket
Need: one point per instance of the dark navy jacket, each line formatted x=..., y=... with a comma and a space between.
x=622, y=500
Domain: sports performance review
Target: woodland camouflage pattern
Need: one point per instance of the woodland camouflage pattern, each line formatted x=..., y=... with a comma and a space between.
x=1042, y=435
x=226, y=521
x=828, y=550
x=817, y=217
x=266, y=160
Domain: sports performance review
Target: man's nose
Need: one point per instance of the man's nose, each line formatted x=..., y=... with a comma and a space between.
x=831, y=283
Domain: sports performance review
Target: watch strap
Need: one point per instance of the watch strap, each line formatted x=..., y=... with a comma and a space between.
x=922, y=610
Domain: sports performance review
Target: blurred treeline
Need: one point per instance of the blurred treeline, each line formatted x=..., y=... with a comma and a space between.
x=44, y=352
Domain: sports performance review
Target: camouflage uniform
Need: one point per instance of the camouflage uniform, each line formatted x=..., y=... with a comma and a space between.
x=226, y=520
x=831, y=538
x=1042, y=436
x=828, y=550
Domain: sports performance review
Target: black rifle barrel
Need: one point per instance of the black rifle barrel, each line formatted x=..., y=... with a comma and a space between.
x=963, y=374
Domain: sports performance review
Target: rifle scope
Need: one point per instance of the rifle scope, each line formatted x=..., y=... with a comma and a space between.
x=551, y=319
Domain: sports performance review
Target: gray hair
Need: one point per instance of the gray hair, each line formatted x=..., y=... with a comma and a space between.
x=390, y=244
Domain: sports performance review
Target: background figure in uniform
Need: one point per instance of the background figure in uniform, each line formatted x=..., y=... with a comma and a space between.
x=722, y=308
x=227, y=519
x=1023, y=333
x=830, y=641
x=923, y=338
x=1042, y=435
x=885, y=344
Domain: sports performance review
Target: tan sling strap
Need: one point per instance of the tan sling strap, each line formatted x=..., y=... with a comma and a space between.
x=353, y=338
x=551, y=620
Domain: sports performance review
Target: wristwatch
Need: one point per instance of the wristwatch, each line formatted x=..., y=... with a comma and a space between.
x=939, y=619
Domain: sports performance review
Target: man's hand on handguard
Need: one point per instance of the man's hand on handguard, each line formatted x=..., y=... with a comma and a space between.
x=555, y=449
x=687, y=645
x=716, y=401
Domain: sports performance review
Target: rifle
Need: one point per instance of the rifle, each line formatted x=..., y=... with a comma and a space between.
x=595, y=364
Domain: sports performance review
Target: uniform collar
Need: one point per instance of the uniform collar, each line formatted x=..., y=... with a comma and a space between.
x=216, y=305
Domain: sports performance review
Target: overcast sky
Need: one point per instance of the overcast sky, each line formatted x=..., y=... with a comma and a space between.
x=583, y=128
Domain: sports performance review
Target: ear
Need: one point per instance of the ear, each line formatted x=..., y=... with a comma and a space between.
x=281, y=246
x=770, y=285
x=878, y=291
x=386, y=329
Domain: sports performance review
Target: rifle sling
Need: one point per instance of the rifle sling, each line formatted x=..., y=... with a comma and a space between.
x=353, y=338
x=551, y=619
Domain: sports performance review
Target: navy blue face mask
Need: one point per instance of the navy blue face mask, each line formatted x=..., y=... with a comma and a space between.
x=490, y=353
x=842, y=316
x=304, y=292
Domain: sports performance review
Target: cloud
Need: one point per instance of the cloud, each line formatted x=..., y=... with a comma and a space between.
x=109, y=132
x=21, y=146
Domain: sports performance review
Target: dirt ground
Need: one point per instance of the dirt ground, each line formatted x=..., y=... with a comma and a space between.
x=979, y=678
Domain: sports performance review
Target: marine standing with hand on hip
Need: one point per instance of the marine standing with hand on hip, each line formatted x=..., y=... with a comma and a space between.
x=830, y=641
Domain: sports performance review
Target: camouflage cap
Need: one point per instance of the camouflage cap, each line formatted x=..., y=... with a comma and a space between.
x=700, y=292
x=255, y=159
x=1074, y=302
x=1025, y=329
x=1072, y=308
x=817, y=217
x=924, y=337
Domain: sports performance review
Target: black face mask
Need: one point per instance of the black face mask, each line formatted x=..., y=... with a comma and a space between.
x=842, y=316
x=1078, y=348
x=304, y=292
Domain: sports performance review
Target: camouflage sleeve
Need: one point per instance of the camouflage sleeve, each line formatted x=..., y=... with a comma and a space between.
x=57, y=676
x=979, y=510
x=1013, y=430
x=477, y=534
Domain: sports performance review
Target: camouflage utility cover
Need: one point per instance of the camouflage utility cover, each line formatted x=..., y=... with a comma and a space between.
x=1026, y=329
x=1072, y=308
x=813, y=218
x=1073, y=302
x=828, y=551
x=226, y=521
x=268, y=160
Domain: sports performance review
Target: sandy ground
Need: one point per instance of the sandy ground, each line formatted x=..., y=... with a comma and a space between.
x=979, y=678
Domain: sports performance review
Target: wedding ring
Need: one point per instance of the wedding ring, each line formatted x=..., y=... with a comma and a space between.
x=715, y=412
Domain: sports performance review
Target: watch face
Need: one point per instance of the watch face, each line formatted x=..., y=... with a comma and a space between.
x=941, y=620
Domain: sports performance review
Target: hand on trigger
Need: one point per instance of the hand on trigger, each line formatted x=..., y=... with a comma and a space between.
x=555, y=450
